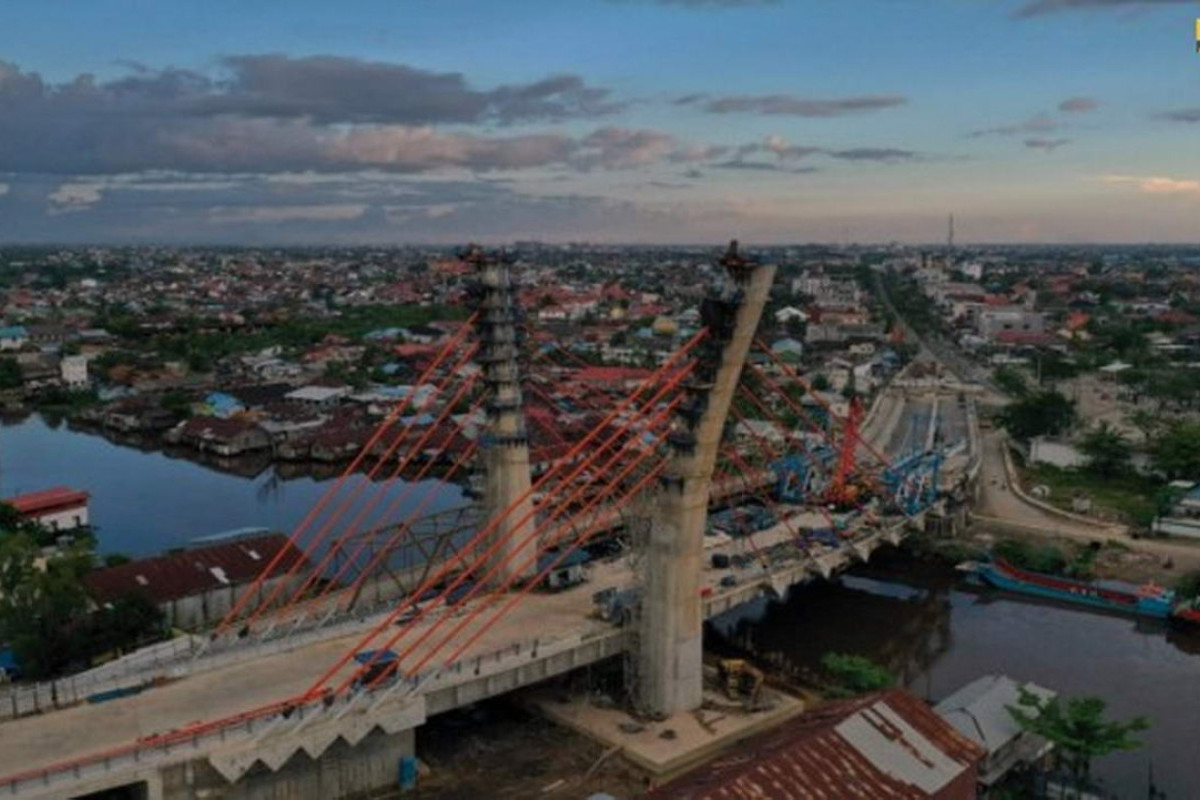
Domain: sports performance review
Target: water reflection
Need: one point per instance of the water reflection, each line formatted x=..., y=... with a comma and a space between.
x=936, y=634
x=147, y=498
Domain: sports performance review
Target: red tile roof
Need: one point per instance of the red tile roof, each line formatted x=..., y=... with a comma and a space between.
x=882, y=745
x=54, y=498
x=192, y=571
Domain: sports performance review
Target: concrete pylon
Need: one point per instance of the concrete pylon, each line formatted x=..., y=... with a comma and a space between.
x=670, y=675
x=505, y=447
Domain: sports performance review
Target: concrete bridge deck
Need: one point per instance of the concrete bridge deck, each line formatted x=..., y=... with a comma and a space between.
x=543, y=635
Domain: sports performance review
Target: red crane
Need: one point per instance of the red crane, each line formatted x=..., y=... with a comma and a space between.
x=842, y=491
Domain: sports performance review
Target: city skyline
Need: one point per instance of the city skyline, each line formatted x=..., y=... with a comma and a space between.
x=677, y=121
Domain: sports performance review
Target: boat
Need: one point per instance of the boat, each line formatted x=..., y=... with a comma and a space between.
x=1147, y=600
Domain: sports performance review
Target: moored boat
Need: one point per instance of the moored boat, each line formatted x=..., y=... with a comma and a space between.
x=1147, y=600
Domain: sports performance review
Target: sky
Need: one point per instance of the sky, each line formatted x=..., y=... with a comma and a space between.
x=630, y=121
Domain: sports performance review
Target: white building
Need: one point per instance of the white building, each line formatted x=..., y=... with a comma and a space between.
x=74, y=371
x=60, y=508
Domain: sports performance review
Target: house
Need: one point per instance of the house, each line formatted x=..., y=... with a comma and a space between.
x=59, y=508
x=886, y=744
x=991, y=321
x=790, y=314
x=318, y=396
x=224, y=437
x=788, y=349
x=979, y=711
x=196, y=587
x=13, y=337
x=73, y=371
x=1183, y=519
x=221, y=405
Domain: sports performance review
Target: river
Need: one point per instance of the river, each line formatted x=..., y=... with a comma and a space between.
x=144, y=501
x=938, y=634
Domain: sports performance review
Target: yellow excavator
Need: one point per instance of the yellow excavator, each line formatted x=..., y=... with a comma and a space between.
x=742, y=681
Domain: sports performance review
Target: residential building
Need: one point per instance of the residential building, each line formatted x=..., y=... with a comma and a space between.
x=196, y=587
x=59, y=508
x=13, y=337
x=73, y=371
x=979, y=711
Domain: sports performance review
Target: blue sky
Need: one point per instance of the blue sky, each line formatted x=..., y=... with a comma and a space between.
x=604, y=120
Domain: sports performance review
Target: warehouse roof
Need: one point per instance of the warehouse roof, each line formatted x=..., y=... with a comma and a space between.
x=882, y=745
x=193, y=571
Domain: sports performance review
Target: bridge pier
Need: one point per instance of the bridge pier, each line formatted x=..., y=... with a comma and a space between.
x=669, y=672
x=505, y=450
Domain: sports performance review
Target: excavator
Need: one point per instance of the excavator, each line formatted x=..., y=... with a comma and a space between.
x=742, y=681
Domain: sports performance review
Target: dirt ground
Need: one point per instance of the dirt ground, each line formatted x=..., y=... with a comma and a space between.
x=498, y=750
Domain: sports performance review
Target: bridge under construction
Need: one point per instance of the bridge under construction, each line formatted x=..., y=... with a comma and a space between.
x=720, y=477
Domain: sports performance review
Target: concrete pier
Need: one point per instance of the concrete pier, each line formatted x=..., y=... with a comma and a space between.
x=670, y=676
x=505, y=451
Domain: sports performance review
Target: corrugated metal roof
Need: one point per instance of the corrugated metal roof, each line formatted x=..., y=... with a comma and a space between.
x=979, y=710
x=192, y=571
x=882, y=746
x=54, y=497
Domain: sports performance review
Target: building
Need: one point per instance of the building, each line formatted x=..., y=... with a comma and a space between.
x=196, y=587
x=73, y=371
x=13, y=337
x=1184, y=516
x=979, y=711
x=59, y=508
x=990, y=322
x=224, y=437
x=886, y=744
x=318, y=396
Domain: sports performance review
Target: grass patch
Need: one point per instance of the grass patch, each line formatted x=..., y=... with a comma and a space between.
x=1130, y=497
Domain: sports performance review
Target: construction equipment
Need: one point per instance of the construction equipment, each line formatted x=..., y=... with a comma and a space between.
x=742, y=681
x=844, y=490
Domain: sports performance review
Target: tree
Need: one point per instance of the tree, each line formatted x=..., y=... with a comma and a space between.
x=1175, y=451
x=1107, y=451
x=1077, y=728
x=1011, y=381
x=851, y=675
x=10, y=374
x=1044, y=413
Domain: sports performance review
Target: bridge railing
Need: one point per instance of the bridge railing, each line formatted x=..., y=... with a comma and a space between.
x=173, y=746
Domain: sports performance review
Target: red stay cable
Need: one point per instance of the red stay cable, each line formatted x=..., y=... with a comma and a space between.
x=308, y=519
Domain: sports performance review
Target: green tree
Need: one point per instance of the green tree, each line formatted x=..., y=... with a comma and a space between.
x=849, y=675
x=1107, y=451
x=1010, y=380
x=1176, y=450
x=1078, y=729
x=10, y=374
x=1045, y=413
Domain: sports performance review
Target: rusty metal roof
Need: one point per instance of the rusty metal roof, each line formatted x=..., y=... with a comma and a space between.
x=884, y=746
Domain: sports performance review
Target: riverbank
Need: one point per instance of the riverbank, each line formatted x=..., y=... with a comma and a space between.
x=145, y=500
x=924, y=623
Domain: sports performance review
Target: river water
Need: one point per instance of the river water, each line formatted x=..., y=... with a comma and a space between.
x=937, y=634
x=145, y=501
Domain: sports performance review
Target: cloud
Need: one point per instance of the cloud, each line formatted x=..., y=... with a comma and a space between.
x=787, y=152
x=74, y=197
x=1181, y=115
x=269, y=214
x=277, y=113
x=1078, y=105
x=790, y=105
x=1036, y=8
x=1045, y=144
x=1042, y=123
x=758, y=166
x=873, y=154
x=1157, y=184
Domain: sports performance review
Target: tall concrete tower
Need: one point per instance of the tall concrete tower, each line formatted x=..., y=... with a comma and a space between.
x=505, y=447
x=670, y=676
